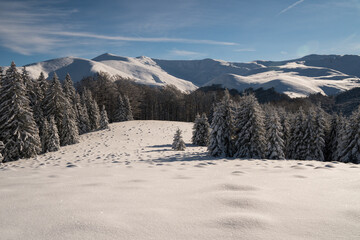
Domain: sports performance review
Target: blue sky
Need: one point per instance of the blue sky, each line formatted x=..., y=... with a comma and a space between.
x=232, y=30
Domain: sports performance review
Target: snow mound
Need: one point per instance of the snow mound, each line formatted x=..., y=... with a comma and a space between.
x=127, y=183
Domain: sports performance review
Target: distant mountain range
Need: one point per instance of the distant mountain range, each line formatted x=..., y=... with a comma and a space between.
x=325, y=74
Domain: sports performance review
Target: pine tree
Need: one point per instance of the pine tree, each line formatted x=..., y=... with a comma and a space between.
x=221, y=135
x=201, y=130
x=1, y=145
x=57, y=104
x=351, y=151
x=52, y=137
x=17, y=125
x=82, y=115
x=250, y=129
x=120, y=113
x=43, y=86
x=285, y=129
x=93, y=110
x=341, y=126
x=178, y=143
x=297, y=146
x=128, y=110
x=69, y=89
x=275, y=146
x=104, y=121
x=69, y=132
x=44, y=135
x=333, y=141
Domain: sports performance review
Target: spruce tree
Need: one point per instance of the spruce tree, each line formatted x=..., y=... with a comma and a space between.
x=351, y=148
x=178, y=143
x=104, y=121
x=201, y=130
x=18, y=129
x=250, y=129
x=128, y=110
x=220, y=144
x=43, y=85
x=52, y=139
x=82, y=115
x=44, y=135
x=69, y=132
x=69, y=89
x=297, y=146
x=1, y=144
x=275, y=142
x=120, y=113
x=93, y=110
x=57, y=104
x=333, y=141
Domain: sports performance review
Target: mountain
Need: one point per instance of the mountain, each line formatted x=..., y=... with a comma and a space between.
x=325, y=74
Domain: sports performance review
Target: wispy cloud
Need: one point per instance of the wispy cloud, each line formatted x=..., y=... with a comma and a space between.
x=27, y=27
x=245, y=50
x=290, y=7
x=185, y=53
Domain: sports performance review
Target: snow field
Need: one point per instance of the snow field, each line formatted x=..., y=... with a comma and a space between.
x=127, y=183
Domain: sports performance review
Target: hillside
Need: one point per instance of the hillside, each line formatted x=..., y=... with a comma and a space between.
x=325, y=74
x=127, y=183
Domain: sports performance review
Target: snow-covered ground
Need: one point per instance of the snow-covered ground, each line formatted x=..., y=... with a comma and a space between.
x=127, y=183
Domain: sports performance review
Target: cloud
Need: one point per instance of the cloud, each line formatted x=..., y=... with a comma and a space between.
x=31, y=27
x=245, y=50
x=185, y=53
x=290, y=7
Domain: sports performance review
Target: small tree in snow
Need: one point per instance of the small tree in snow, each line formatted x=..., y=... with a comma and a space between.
x=69, y=134
x=50, y=137
x=275, y=145
x=201, y=130
x=104, y=121
x=178, y=143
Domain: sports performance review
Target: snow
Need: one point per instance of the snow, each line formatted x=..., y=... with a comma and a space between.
x=127, y=183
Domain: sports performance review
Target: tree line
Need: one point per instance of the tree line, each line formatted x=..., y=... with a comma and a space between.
x=39, y=116
x=245, y=129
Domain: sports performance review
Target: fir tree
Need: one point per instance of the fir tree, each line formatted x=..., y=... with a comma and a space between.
x=93, y=110
x=52, y=137
x=351, y=148
x=43, y=86
x=57, y=104
x=17, y=125
x=120, y=114
x=220, y=137
x=178, y=143
x=201, y=131
x=285, y=129
x=250, y=129
x=82, y=115
x=104, y=121
x=297, y=146
x=69, y=89
x=275, y=146
x=128, y=110
x=334, y=139
x=69, y=132
x=1, y=145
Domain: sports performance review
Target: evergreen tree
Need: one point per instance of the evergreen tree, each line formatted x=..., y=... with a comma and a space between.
x=52, y=137
x=44, y=135
x=57, y=104
x=178, y=143
x=120, y=113
x=351, y=151
x=43, y=86
x=333, y=141
x=285, y=129
x=69, y=134
x=221, y=135
x=275, y=146
x=297, y=146
x=1, y=145
x=104, y=121
x=250, y=129
x=128, y=110
x=201, y=131
x=69, y=89
x=82, y=115
x=341, y=126
x=93, y=110
x=17, y=125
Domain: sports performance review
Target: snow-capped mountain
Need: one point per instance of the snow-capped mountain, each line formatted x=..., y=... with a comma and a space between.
x=326, y=74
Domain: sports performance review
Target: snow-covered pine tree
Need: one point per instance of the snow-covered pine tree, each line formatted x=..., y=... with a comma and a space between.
x=351, y=146
x=321, y=129
x=201, y=130
x=43, y=86
x=120, y=114
x=82, y=115
x=332, y=143
x=69, y=89
x=69, y=134
x=297, y=146
x=250, y=129
x=44, y=135
x=104, y=121
x=52, y=139
x=128, y=110
x=57, y=104
x=18, y=129
x=285, y=129
x=274, y=136
x=220, y=143
x=341, y=127
x=93, y=110
x=178, y=143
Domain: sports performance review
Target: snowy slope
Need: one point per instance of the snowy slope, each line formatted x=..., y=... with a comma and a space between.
x=127, y=183
x=326, y=74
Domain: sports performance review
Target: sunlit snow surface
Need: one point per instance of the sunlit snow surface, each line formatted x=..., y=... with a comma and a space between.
x=127, y=183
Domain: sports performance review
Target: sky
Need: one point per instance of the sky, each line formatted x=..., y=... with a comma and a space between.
x=230, y=30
